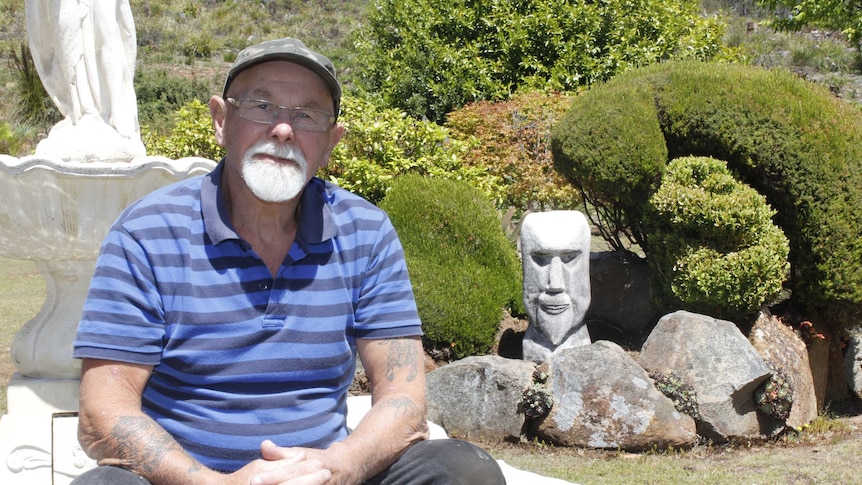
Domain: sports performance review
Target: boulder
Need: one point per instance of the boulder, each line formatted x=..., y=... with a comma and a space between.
x=603, y=399
x=784, y=352
x=853, y=362
x=715, y=358
x=621, y=307
x=477, y=397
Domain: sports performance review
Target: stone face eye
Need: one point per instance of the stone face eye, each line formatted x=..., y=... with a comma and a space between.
x=545, y=257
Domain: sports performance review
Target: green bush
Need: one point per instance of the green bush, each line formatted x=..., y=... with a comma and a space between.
x=11, y=143
x=610, y=146
x=514, y=145
x=192, y=135
x=789, y=139
x=382, y=143
x=713, y=247
x=161, y=94
x=464, y=270
x=428, y=57
x=33, y=105
x=379, y=145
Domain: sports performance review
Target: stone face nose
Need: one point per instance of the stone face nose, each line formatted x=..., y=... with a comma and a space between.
x=556, y=277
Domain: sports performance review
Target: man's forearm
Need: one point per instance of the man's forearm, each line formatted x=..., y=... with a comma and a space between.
x=384, y=434
x=139, y=444
x=397, y=418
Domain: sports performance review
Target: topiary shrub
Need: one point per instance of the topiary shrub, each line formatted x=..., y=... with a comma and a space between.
x=789, y=139
x=712, y=244
x=464, y=270
x=610, y=145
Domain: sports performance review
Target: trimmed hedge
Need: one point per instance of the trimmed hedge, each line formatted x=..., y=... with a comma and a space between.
x=464, y=270
x=712, y=244
x=610, y=145
x=789, y=139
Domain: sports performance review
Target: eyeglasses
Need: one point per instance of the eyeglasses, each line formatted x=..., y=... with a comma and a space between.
x=260, y=111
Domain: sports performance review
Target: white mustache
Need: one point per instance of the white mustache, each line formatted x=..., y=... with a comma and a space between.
x=279, y=151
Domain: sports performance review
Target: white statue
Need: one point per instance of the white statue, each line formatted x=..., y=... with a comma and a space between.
x=555, y=248
x=84, y=52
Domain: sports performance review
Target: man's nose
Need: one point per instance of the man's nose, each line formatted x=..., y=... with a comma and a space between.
x=281, y=129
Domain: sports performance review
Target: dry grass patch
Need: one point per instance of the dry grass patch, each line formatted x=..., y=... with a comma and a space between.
x=22, y=292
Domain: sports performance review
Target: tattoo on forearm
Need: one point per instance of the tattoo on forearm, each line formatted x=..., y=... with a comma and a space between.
x=141, y=443
x=402, y=406
x=401, y=354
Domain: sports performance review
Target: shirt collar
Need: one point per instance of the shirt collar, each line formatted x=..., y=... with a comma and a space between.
x=315, y=224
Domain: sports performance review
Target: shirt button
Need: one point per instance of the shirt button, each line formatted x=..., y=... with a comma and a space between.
x=263, y=285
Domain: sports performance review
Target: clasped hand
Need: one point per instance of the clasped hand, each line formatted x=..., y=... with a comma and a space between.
x=283, y=466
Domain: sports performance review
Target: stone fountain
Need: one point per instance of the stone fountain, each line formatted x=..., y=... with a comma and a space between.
x=57, y=206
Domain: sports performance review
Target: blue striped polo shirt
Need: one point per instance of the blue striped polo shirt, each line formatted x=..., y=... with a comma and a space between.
x=240, y=356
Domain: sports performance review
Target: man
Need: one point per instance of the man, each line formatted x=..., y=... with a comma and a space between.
x=223, y=321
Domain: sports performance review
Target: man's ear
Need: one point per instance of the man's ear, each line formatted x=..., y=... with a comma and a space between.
x=334, y=137
x=218, y=112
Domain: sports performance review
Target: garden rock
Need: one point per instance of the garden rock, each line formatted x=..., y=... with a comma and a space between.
x=622, y=308
x=784, y=352
x=477, y=397
x=603, y=399
x=853, y=362
x=714, y=357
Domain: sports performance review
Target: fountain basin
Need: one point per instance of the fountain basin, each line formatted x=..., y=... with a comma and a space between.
x=56, y=213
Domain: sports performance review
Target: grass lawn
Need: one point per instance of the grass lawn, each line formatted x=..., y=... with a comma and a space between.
x=22, y=292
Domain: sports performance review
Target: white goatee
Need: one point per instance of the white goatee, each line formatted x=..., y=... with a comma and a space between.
x=275, y=182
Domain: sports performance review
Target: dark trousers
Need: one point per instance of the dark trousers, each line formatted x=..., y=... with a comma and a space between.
x=434, y=462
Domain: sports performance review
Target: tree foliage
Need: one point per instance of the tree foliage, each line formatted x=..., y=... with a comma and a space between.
x=793, y=15
x=514, y=146
x=428, y=57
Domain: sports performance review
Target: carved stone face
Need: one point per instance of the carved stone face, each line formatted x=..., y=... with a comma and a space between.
x=555, y=250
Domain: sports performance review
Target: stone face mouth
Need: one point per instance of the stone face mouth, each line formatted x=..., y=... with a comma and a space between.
x=554, y=303
x=555, y=308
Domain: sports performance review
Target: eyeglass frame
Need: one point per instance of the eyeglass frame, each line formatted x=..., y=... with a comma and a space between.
x=277, y=114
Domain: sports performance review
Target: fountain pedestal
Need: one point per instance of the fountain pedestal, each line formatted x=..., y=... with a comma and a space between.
x=56, y=213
